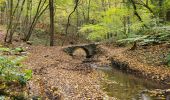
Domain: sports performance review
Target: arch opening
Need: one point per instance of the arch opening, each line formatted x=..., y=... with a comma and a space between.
x=80, y=53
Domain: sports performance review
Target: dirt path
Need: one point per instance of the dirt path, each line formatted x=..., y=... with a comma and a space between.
x=54, y=69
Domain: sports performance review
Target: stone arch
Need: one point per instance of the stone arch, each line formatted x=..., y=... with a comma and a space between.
x=90, y=49
x=85, y=49
x=87, y=52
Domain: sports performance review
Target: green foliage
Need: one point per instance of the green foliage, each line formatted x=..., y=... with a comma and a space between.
x=2, y=2
x=15, y=51
x=4, y=49
x=2, y=97
x=149, y=36
x=100, y=18
x=10, y=70
x=94, y=32
x=167, y=4
x=133, y=39
x=19, y=49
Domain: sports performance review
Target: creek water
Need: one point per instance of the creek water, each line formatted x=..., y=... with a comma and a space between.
x=124, y=86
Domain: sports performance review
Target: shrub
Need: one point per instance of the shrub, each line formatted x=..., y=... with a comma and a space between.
x=11, y=70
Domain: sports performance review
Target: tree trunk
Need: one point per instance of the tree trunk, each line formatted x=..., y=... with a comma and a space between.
x=103, y=5
x=9, y=27
x=88, y=13
x=51, y=8
x=77, y=20
x=68, y=19
x=38, y=14
x=1, y=15
x=161, y=12
x=15, y=25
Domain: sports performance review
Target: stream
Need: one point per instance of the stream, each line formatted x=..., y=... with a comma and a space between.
x=124, y=86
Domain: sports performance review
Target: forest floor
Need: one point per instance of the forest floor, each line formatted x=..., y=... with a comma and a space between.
x=57, y=72
x=148, y=62
x=57, y=75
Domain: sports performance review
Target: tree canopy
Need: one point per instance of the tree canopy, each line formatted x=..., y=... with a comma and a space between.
x=97, y=20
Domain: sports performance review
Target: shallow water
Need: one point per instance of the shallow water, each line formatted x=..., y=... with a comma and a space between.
x=128, y=87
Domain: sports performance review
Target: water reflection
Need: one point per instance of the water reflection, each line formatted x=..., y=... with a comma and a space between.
x=127, y=87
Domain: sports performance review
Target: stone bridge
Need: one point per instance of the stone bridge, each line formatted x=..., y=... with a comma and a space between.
x=90, y=49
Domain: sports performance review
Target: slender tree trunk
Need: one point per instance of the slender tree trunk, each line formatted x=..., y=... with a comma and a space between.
x=38, y=14
x=161, y=12
x=6, y=16
x=88, y=13
x=77, y=20
x=136, y=13
x=9, y=27
x=27, y=20
x=15, y=25
x=109, y=3
x=103, y=5
x=51, y=8
x=1, y=15
x=128, y=23
x=124, y=24
x=135, y=10
x=146, y=5
x=68, y=20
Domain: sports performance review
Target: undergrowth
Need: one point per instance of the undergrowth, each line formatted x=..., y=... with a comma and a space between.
x=12, y=71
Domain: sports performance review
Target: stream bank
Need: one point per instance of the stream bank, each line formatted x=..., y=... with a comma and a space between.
x=124, y=86
x=144, y=62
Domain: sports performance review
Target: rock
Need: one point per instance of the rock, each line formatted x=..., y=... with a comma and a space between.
x=29, y=42
x=24, y=53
